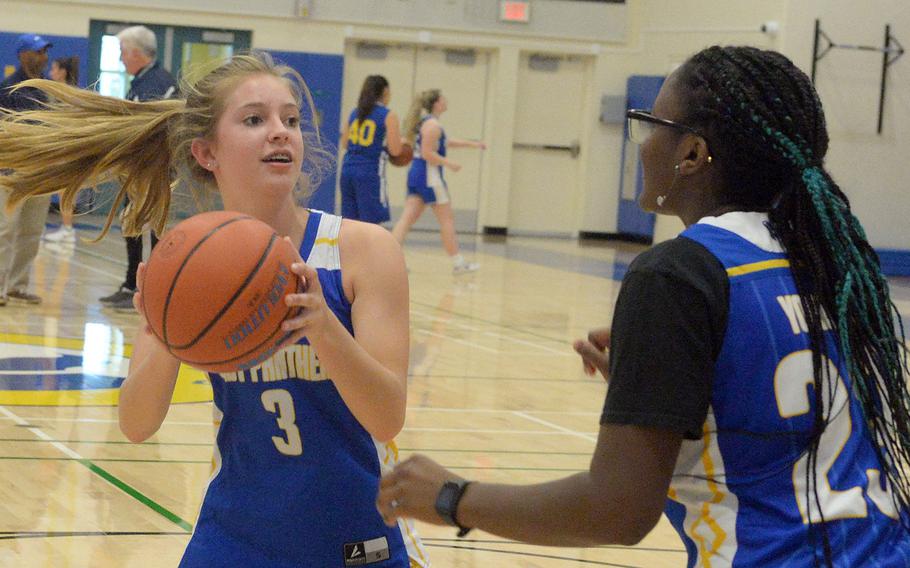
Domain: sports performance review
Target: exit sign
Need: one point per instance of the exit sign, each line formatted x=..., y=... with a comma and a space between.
x=515, y=11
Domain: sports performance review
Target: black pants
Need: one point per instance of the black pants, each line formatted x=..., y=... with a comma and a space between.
x=134, y=257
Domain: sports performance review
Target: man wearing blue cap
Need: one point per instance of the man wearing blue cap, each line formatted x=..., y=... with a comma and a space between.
x=20, y=230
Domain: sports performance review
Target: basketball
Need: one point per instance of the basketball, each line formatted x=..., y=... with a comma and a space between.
x=213, y=291
x=404, y=157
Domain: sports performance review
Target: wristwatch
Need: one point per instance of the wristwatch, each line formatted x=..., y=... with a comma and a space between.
x=447, y=503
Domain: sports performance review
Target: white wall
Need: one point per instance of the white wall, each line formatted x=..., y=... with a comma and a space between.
x=659, y=35
x=872, y=169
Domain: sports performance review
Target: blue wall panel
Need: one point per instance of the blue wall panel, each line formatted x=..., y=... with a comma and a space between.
x=63, y=46
x=324, y=76
x=641, y=91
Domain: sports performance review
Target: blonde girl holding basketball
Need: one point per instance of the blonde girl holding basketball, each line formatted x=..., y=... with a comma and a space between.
x=426, y=183
x=299, y=448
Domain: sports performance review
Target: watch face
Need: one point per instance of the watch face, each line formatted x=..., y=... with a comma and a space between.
x=446, y=501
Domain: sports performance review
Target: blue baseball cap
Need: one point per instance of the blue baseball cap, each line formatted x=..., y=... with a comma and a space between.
x=31, y=42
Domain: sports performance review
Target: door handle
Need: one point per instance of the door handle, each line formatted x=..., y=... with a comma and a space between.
x=574, y=149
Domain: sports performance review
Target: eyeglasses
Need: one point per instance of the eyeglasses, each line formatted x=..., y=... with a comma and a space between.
x=642, y=124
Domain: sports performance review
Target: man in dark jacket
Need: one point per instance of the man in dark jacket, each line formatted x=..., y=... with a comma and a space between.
x=138, y=51
x=20, y=230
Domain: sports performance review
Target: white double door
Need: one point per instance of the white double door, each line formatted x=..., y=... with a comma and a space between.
x=462, y=76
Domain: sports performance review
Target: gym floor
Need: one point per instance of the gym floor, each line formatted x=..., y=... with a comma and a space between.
x=495, y=393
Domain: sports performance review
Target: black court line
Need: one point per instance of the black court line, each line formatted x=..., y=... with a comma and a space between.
x=536, y=555
x=11, y=535
x=31, y=458
x=403, y=449
x=115, y=442
x=602, y=546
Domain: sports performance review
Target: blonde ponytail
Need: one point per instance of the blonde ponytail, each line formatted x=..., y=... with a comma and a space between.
x=422, y=103
x=81, y=139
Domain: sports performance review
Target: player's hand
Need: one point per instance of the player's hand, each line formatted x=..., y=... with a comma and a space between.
x=454, y=166
x=314, y=314
x=137, y=303
x=594, y=352
x=481, y=145
x=410, y=490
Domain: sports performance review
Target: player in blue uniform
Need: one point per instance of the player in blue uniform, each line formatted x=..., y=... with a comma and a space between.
x=372, y=130
x=758, y=384
x=426, y=184
x=303, y=438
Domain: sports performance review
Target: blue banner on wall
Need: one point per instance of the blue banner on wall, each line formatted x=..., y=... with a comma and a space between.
x=324, y=75
x=63, y=46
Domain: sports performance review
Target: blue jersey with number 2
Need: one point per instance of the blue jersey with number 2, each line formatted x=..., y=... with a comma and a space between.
x=739, y=494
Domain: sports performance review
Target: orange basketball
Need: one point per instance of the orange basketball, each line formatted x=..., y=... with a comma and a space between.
x=404, y=157
x=214, y=288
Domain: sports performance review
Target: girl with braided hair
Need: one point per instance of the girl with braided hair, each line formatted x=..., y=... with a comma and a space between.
x=757, y=367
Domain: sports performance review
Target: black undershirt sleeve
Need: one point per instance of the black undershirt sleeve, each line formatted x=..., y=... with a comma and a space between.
x=668, y=329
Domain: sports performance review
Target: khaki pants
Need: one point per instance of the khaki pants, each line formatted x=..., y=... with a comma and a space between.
x=20, y=236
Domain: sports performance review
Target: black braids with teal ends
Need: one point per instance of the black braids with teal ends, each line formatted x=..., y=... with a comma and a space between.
x=766, y=130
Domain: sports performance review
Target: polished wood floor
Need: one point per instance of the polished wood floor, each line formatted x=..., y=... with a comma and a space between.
x=495, y=393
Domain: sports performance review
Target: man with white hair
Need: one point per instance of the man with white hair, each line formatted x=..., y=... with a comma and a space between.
x=151, y=81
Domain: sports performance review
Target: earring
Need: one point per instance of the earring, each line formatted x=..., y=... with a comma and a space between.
x=710, y=159
x=660, y=200
x=676, y=167
x=209, y=165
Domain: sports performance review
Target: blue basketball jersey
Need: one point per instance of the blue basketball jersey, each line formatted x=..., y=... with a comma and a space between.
x=739, y=494
x=295, y=474
x=366, y=140
x=421, y=174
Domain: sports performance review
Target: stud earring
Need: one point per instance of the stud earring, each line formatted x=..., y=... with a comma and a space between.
x=710, y=159
x=660, y=200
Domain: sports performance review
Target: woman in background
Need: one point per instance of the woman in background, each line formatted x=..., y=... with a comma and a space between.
x=372, y=131
x=426, y=184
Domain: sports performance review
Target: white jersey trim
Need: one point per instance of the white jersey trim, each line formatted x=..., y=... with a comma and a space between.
x=750, y=225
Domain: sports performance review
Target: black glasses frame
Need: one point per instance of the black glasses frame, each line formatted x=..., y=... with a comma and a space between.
x=645, y=115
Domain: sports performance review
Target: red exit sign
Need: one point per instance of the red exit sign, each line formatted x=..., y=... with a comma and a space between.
x=514, y=10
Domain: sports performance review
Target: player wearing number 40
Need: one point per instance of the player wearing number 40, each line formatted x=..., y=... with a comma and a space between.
x=372, y=131
x=302, y=439
x=758, y=381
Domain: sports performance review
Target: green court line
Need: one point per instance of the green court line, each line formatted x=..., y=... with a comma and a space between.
x=137, y=495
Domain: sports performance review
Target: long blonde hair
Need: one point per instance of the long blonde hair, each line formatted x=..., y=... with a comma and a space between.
x=81, y=139
x=422, y=103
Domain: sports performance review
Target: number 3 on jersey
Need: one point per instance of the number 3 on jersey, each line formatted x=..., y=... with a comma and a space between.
x=362, y=133
x=793, y=375
x=279, y=401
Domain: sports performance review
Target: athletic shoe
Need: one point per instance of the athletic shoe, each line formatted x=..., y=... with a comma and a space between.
x=124, y=306
x=465, y=267
x=123, y=293
x=2, y=301
x=20, y=296
x=62, y=235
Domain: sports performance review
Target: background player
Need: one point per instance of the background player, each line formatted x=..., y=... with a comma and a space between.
x=301, y=438
x=426, y=184
x=372, y=129
x=756, y=375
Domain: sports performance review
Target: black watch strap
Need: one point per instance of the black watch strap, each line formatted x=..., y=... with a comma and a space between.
x=447, y=503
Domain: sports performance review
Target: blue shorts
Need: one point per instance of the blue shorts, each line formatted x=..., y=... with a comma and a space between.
x=363, y=196
x=431, y=195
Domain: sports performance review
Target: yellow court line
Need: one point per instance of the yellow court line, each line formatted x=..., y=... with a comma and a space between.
x=45, y=341
x=757, y=266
